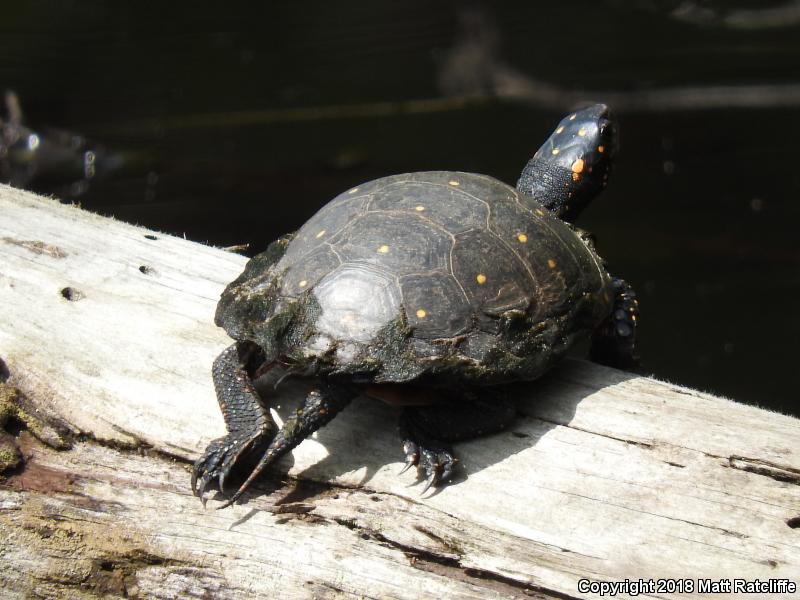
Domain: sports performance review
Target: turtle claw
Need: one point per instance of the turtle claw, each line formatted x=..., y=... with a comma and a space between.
x=219, y=459
x=433, y=479
x=202, y=489
x=434, y=461
x=409, y=463
x=230, y=461
x=437, y=462
x=412, y=455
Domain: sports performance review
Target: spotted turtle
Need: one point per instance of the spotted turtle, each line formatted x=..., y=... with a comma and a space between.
x=427, y=290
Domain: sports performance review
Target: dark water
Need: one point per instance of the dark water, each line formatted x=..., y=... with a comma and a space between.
x=235, y=128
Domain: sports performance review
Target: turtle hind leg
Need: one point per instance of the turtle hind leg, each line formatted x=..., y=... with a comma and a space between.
x=614, y=341
x=427, y=430
x=249, y=424
x=320, y=407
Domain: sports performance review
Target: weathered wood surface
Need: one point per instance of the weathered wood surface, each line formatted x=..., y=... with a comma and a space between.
x=605, y=475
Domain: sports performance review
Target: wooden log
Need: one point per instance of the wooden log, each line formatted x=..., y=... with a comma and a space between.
x=107, y=334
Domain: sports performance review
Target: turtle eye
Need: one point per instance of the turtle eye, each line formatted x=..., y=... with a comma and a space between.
x=607, y=137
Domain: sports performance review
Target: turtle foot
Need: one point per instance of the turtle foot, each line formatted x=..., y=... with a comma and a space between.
x=222, y=454
x=614, y=341
x=434, y=461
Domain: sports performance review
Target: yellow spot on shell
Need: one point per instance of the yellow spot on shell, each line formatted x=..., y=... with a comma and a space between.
x=581, y=132
x=383, y=249
x=454, y=182
x=353, y=191
x=577, y=166
x=522, y=238
x=539, y=212
x=601, y=149
x=419, y=208
x=303, y=283
x=560, y=129
x=320, y=234
x=421, y=313
x=481, y=278
x=572, y=117
x=556, y=151
x=551, y=263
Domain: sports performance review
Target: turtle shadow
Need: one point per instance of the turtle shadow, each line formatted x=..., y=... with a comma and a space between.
x=543, y=405
x=361, y=447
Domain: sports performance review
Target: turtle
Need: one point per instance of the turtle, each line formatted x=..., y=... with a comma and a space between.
x=429, y=290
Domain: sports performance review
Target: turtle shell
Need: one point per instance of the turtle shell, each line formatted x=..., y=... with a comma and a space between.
x=438, y=274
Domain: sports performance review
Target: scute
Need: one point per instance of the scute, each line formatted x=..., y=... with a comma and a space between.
x=494, y=279
x=435, y=305
x=446, y=206
x=308, y=270
x=325, y=224
x=536, y=240
x=376, y=186
x=589, y=273
x=400, y=243
x=356, y=301
x=481, y=187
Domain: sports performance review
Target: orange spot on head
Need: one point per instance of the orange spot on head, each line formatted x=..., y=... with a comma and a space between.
x=577, y=166
x=421, y=313
x=480, y=278
x=551, y=263
x=601, y=149
x=522, y=238
x=576, y=177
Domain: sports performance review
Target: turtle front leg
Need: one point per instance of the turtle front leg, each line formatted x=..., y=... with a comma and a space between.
x=249, y=424
x=614, y=341
x=321, y=405
x=427, y=430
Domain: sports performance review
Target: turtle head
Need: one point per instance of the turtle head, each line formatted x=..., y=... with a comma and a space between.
x=573, y=165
